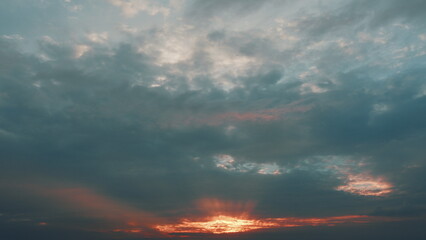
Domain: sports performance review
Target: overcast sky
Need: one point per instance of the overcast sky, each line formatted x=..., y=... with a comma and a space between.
x=162, y=119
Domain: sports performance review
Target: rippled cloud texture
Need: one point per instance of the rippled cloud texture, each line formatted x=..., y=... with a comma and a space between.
x=242, y=119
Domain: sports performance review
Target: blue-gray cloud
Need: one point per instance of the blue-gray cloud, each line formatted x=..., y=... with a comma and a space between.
x=136, y=116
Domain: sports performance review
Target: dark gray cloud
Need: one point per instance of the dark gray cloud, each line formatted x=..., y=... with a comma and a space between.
x=138, y=125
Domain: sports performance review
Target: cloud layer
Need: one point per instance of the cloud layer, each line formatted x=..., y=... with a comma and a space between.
x=120, y=115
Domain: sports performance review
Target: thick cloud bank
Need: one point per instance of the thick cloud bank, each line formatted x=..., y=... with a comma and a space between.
x=145, y=119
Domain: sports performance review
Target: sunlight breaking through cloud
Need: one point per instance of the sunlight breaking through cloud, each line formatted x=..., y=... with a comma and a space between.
x=223, y=224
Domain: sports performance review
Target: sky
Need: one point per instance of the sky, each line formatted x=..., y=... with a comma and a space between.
x=202, y=119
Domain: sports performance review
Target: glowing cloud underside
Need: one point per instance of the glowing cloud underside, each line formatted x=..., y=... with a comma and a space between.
x=216, y=225
x=227, y=224
x=366, y=185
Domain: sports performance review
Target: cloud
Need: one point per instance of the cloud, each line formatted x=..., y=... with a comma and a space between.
x=225, y=224
x=366, y=186
x=133, y=7
x=98, y=37
x=207, y=9
x=286, y=110
x=80, y=50
x=228, y=163
x=15, y=37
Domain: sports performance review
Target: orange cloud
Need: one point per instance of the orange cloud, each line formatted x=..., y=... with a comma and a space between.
x=221, y=217
x=222, y=224
x=216, y=225
x=217, y=216
x=358, y=179
x=366, y=185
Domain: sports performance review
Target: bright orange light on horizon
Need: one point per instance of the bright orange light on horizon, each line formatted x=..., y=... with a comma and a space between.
x=217, y=225
x=226, y=224
x=234, y=217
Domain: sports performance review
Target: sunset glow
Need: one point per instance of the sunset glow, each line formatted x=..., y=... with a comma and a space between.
x=212, y=119
x=366, y=186
x=226, y=224
x=217, y=225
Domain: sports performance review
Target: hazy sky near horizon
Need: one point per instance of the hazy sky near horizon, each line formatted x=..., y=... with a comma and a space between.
x=143, y=119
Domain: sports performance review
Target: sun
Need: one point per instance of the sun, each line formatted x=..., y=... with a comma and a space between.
x=216, y=225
